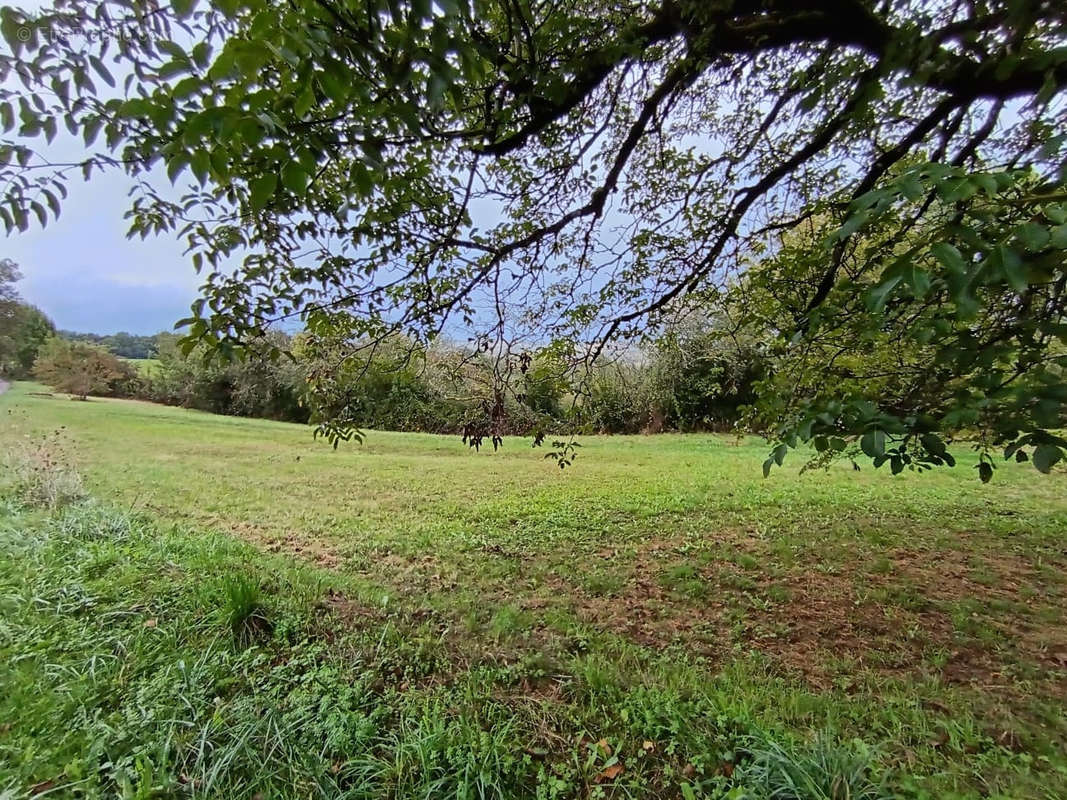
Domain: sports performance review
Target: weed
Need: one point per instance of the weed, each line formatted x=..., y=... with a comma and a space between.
x=507, y=621
x=603, y=583
x=882, y=566
x=746, y=561
x=246, y=615
x=40, y=472
x=686, y=580
x=778, y=594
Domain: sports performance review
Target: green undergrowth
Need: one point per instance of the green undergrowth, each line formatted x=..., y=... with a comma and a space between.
x=143, y=660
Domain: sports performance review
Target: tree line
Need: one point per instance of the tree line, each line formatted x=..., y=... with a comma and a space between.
x=688, y=378
x=122, y=344
x=685, y=380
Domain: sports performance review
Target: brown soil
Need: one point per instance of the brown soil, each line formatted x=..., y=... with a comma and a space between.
x=828, y=626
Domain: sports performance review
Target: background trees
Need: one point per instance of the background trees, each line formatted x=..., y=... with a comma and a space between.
x=122, y=344
x=83, y=369
x=690, y=379
x=23, y=328
x=9, y=315
x=256, y=386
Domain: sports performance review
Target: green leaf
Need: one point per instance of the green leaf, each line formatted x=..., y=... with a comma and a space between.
x=873, y=443
x=1046, y=457
x=102, y=70
x=985, y=471
x=11, y=30
x=332, y=80
x=304, y=102
x=183, y=8
x=172, y=49
x=1058, y=239
x=987, y=183
x=918, y=279
x=201, y=53
x=957, y=188
x=294, y=178
x=853, y=224
x=1033, y=236
x=1011, y=265
x=933, y=444
x=877, y=296
x=362, y=178
x=949, y=256
x=912, y=188
x=175, y=165
x=262, y=190
x=201, y=165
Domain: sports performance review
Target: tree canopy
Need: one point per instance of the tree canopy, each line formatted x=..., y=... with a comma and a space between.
x=567, y=175
x=80, y=369
x=23, y=328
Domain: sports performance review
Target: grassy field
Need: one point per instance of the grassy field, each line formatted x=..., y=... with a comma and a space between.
x=243, y=609
x=147, y=367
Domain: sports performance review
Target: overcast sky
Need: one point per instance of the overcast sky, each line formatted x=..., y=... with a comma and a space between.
x=86, y=275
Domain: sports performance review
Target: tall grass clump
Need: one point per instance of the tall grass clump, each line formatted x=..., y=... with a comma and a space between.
x=824, y=770
x=244, y=609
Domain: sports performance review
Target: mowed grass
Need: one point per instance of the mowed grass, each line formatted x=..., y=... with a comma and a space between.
x=659, y=608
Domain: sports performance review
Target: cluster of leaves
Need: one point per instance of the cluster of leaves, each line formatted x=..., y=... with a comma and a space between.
x=955, y=322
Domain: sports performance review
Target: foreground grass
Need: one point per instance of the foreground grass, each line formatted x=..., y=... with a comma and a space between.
x=658, y=621
x=126, y=672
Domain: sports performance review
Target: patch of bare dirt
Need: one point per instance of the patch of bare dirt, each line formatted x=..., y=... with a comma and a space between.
x=820, y=625
x=831, y=620
x=294, y=545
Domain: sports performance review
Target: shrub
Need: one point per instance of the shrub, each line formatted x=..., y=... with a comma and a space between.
x=619, y=400
x=256, y=386
x=82, y=369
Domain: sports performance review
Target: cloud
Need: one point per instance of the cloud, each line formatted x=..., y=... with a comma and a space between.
x=84, y=273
